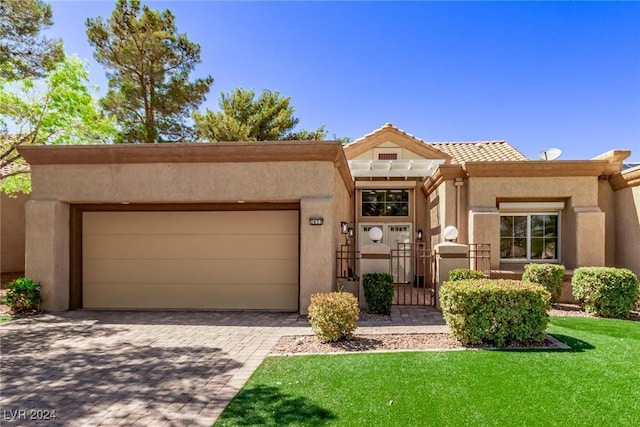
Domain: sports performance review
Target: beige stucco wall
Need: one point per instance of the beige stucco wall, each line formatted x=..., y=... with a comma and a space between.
x=312, y=183
x=183, y=182
x=583, y=229
x=12, y=229
x=388, y=147
x=47, y=249
x=627, y=203
x=422, y=214
x=483, y=191
x=606, y=203
x=443, y=210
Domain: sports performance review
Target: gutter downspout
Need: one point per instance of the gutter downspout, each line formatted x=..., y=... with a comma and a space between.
x=459, y=182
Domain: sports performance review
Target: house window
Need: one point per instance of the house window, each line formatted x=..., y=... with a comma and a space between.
x=529, y=236
x=388, y=156
x=385, y=203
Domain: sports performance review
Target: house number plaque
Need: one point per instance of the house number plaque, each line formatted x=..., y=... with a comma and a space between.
x=316, y=221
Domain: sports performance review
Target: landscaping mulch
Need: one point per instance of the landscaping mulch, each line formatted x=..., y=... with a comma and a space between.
x=309, y=344
x=306, y=344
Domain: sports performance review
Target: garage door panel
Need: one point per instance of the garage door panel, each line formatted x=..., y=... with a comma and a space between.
x=225, y=246
x=213, y=260
x=193, y=296
x=190, y=271
x=195, y=223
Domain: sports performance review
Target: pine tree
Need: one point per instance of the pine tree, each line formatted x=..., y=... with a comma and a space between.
x=148, y=64
x=243, y=117
x=24, y=52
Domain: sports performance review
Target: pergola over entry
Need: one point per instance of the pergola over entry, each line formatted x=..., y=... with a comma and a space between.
x=394, y=168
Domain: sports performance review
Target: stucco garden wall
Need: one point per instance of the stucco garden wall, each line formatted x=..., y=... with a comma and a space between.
x=12, y=232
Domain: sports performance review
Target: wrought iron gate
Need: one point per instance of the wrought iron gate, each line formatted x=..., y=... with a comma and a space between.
x=414, y=274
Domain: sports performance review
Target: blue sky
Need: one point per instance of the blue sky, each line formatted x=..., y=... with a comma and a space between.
x=539, y=75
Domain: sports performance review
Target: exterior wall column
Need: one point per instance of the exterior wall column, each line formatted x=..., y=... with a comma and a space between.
x=589, y=232
x=47, y=251
x=449, y=256
x=375, y=258
x=484, y=227
x=317, y=249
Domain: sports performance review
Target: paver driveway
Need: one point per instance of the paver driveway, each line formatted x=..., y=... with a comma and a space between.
x=148, y=368
x=132, y=368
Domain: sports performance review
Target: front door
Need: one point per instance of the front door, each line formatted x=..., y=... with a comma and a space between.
x=394, y=235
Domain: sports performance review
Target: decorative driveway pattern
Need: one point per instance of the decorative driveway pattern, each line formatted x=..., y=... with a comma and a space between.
x=146, y=367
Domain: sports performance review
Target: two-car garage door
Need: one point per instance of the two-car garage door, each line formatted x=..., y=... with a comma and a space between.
x=197, y=259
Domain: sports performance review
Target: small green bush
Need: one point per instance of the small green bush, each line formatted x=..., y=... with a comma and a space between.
x=496, y=312
x=606, y=291
x=23, y=296
x=548, y=275
x=378, y=292
x=464, y=274
x=333, y=315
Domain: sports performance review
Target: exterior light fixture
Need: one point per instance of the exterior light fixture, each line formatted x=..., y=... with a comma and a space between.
x=351, y=232
x=450, y=233
x=419, y=235
x=375, y=234
x=344, y=227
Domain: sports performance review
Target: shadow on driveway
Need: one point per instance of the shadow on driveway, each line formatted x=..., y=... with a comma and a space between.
x=134, y=375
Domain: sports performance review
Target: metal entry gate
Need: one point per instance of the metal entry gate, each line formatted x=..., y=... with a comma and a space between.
x=414, y=274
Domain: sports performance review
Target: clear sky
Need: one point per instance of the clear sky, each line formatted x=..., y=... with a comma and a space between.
x=539, y=75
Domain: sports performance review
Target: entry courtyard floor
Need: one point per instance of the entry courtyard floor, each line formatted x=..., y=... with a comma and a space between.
x=170, y=368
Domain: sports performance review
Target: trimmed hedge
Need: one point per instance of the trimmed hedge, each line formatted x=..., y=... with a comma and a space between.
x=333, y=315
x=606, y=291
x=378, y=292
x=464, y=274
x=548, y=275
x=495, y=312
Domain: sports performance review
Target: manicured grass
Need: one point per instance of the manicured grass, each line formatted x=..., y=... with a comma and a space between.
x=597, y=383
x=5, y=318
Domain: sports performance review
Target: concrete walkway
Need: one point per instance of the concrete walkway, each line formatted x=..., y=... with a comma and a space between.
x=148, y=368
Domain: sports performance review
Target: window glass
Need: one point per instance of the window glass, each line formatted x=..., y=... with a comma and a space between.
x=385, y=203
x=529, y=236
x=544, y=236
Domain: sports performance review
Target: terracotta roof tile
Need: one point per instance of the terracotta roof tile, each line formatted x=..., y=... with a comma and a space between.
x=469, y=151
x=389, y=126
x=480, y=151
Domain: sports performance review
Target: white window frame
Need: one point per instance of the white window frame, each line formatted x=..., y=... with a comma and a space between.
x=528, y=214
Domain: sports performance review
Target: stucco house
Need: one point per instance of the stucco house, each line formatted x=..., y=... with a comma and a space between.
x=259, y=225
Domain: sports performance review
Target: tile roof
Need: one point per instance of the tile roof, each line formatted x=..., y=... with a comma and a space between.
x=6, y=169
x=388, y=126
x=479, y=151
x=460, y=152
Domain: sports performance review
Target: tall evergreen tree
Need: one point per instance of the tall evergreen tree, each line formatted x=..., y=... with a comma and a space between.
x=148, y=64
x=243, y=117
x=24, y=52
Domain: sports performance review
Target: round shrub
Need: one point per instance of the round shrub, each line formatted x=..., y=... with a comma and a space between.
x=496, y=312
x=606, y=291
x=464, y=274
x=23, y=296
x=378, y=292
x=333, y=315
x=548, y=275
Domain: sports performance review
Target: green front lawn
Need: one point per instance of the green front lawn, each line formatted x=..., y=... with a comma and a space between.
x=597, y=383
x=4, y=318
